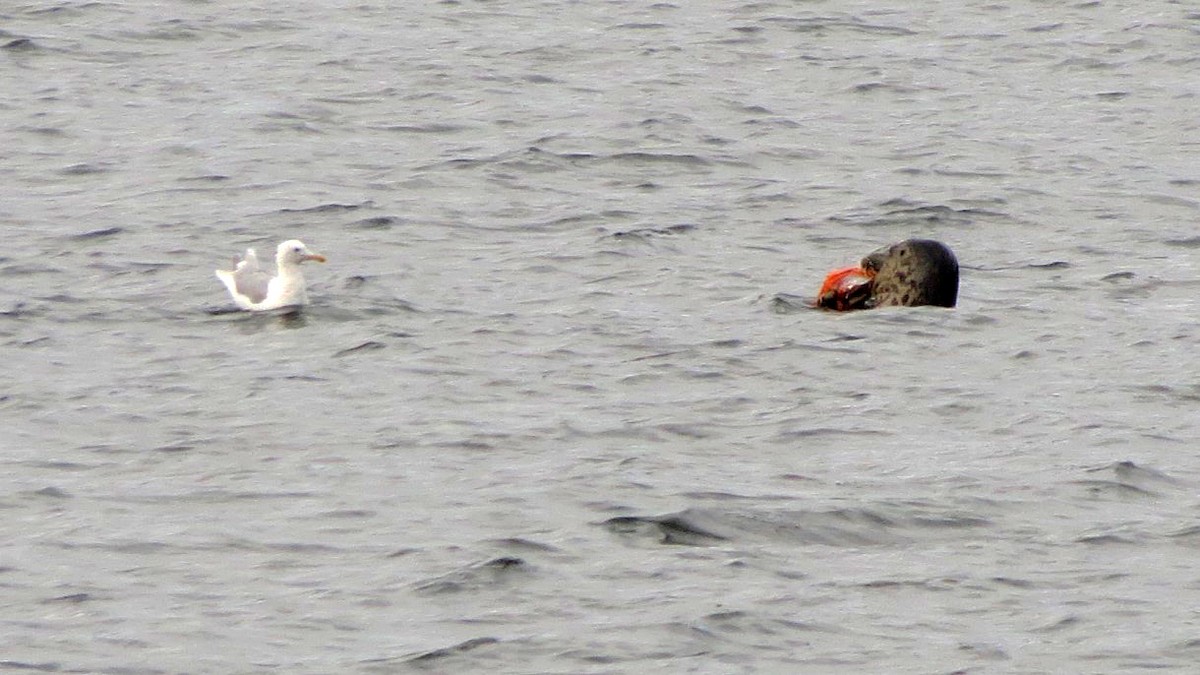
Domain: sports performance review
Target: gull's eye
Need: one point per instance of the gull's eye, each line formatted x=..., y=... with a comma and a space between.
x=296, y=249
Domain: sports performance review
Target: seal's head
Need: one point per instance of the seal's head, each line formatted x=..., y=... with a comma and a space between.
x=911, y=273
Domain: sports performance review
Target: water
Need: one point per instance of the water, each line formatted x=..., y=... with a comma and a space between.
x=543, y=415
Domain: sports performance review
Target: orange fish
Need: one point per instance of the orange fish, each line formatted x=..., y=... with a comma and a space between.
x=846, y=288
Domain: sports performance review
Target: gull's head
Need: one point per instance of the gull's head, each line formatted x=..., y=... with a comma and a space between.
x=294, y=252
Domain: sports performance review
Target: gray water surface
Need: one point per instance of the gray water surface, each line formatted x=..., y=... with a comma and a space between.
x=544, y=414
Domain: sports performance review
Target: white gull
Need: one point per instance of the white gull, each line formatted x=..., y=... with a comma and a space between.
x=253, y=289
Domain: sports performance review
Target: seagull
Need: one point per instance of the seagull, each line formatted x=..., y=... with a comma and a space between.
x=254, y=290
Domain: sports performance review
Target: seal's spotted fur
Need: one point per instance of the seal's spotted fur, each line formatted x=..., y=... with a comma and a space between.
x=911, y=273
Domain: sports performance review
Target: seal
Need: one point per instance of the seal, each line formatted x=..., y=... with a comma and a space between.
x=909, y=273
x=912, y=273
